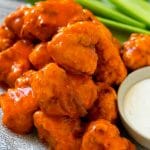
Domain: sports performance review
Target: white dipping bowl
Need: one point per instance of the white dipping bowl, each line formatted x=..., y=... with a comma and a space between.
x=132, y=79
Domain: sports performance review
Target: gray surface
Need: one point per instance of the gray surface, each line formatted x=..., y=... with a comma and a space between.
x=7, y=6
x=9, y=140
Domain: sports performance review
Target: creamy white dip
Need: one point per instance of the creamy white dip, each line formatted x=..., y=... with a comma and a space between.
x=137, y=107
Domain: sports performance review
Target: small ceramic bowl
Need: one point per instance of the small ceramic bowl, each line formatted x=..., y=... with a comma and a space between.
x=132, y=79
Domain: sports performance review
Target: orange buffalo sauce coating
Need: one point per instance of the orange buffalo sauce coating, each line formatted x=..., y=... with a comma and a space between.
x=136, y=51
x=40, y=57
x=105, y=107
x=55, y=95
x=7, y=38
x=102, y=135
x=19, y=104
x=14, y=61
x=60, y=133
x=43, y=20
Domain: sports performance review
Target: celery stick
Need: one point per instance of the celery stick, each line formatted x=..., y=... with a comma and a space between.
x=100, y=9
x=143, y=4
x=132, y=9
x=121, y=26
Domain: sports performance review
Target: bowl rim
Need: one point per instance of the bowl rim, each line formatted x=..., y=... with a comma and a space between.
x=119, y=100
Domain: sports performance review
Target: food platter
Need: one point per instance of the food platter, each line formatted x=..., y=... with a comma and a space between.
x=9, y=140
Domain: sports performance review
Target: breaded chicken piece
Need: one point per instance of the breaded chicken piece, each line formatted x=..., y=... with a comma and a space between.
x=86, y=15
x=74, y=47
x=7, y=38
x=14, y=61
x=43, y=20
x=85, y=88
x=25, y=79
x=136, y=51
x=112, y=60
x=14, y=21
x=55, y=95
x=110, y=68
x=40, y=56
x=60, y=133
x=102, y=135
x=105, y=107
x=18, y=106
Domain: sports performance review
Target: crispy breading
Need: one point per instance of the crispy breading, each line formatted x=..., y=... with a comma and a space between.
x=39, y=57
x=136, y=51
x=60, y=133
x=85, y=89
x=74, y=47
x=102, y=135
x=55, y=95
x=14, y=61
x=7, y=38
x=105, y=107
x=43, y=20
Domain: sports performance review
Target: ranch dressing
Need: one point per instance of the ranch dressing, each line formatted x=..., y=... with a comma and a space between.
x=137, y=107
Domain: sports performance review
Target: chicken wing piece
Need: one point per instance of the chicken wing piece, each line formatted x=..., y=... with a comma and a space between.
x=7, y=38
x=60, y=133
x=14, y=21
x=14, y=61
x=40, y=56
x=136, y=51
x=43, y=20
x=18, y=106
x=55, y=95
x=85, y=88
x=74, y=47
x=102, y=135
x=105, y=107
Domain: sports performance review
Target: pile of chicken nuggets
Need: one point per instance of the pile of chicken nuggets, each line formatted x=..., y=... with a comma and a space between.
x=61, y=65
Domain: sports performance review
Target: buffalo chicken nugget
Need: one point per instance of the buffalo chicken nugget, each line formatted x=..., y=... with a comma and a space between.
x=7, y=38
x=55, y=95
x=136, y=51
x=85, y=89
x=87, y=15
x=18, y=106
x=15, y=20
x=105, y=107
x=25, y=79
x=74, y=47
x=119, y=143
x=14, y=61
x=110, y=67
x=102, y=135
x=40, y=56
x=60, y=133
x=43, y=20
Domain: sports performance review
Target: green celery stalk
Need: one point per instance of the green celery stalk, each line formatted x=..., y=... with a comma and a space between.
x=130, y=8
x=32, y=2
x=143, y=4
x=121, y=26
x=98, y=8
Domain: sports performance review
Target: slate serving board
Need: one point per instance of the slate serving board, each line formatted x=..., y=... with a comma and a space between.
x=9, y=140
